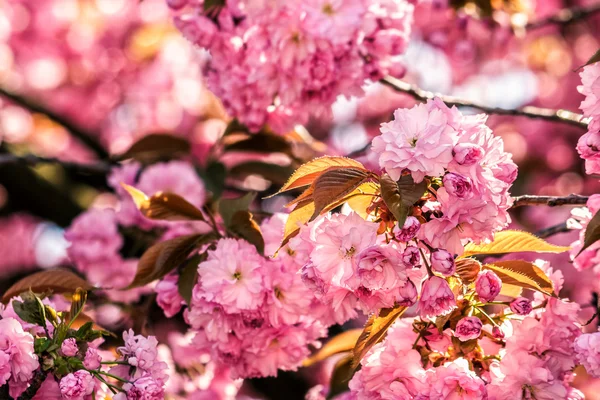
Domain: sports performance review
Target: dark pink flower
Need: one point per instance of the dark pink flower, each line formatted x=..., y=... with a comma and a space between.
x=468, y=328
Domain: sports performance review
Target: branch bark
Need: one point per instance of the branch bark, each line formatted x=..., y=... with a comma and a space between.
x=561, y=116
x=551, y=201
x=98, y=168
x=34, y=386
x=85, y=137
x=553, y=230
x=565, y=16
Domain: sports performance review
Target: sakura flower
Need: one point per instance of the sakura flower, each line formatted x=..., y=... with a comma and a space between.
x=487, y=285
x=409, y=229
x=521, y=306
x=92, y=358
x=411, y=257
x=69, y=347
x=77, y=385
x=436, y=298
x=168, y=297
x=456, y=381
x=419, y=139
x=443, y=262
x=587, y=349
x=590, y=88
x=144, y=388
x=231, y=275
x=16, y=351
x=468, y=328
x=458, y=185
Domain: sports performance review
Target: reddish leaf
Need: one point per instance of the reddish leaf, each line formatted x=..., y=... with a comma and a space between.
x=156, y=147
x=332, y=185
x=164, y=206
x=243, y=225
x=58, y=280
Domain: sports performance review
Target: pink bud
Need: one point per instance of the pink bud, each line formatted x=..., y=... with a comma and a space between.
x=443, y=262
x=458, y=185
x=92, y=359
x=411, y=257
x=467, y=153
x=521, y=306
x=69, y=347
x=468, y=328
x=409, y=230
x=488, y=285
x=436, y=298
x=497, y=333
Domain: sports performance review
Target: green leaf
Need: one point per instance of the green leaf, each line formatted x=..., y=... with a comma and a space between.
x=188, y=276
x=157, y=147
x=30, y=309
x=41, y=344
x=277, y=174
x=214, y=178
x=400, y=196
x=592, y=232
x=228, y=207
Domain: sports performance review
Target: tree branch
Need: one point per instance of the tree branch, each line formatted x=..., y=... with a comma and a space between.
x=553, y=230
x=34, y=386
x=562, y=116
x=551, y=201
x=98, y=168
x=86, y=138
x=565, y=16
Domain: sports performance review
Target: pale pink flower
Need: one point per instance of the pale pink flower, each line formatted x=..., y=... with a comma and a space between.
x=436, y=298
x=409, y=229
x=419, y=139
x=588, y=148
x=167, y=295
x=458, y=185
x=77, y=385
x=454, y=380
x=488, y=285
x=336, y=20
x=69, y=347
x=92, y=358
x=443, y=262
x=468, y=328
x=587, y=350
x=467, y=153
x=16, y=350
x=142, y=353
x=231, y=276
x=144, y=388
x=590, y=88
x=521, y=306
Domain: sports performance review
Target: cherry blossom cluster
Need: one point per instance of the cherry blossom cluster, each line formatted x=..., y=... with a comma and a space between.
x=519, y=353
x=463, y=159
x=252, y=313
x=589, y=144
x=277, y=63
x=580, y=218
x=70, y=362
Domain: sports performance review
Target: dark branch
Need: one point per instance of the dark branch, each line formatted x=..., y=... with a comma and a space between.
x=98, y=168
x=86, y=138
x=551, y=201
x=565, y=16
x=553, y=230
x=562, y=116
x=34, y=386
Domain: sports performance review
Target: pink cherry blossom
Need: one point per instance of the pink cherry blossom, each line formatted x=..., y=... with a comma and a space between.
x=488, y=285
x=69, y=347
x=167, y=295
x=92, y=358
x=16, y=351
x=409, y=229
x=587, y=349
x=436, y=298
x=521, y=306
x=455, y=380
x=468, y=328
x=77, y=385
x=443, y=262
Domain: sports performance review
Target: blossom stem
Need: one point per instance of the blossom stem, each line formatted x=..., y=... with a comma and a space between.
x=486, y=315
x=550, y=201
x=561, y=116
x=86, y=138
x=114, y=362
x=117, y=378
x=429, y=271
x=420, y=335
x=113, y=388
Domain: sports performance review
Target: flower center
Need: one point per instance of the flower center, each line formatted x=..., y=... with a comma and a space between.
x=328, y=9
x=350, y=252
x=237, y=275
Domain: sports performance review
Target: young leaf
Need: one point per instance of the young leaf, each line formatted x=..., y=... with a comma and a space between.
x=513, y=242
x=164, y=257
x=307, y=173
x=362, y=197
x=340, y=377
x=156, y=147
x=593, y=59
x=468, y=269
x=262, y=142
x=164, y=206
x=333, y=184
x=77, y=302
x=400, y=196
x=592, y=232
x=189, y=276
x=57, y=280
x=343, y=342
x=214, y=178
x=228, y=207
x=522, y=274
x=278, y=174
x=374, y=331
x=243, y=225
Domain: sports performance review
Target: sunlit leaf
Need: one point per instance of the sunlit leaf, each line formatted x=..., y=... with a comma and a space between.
x=243, y=225
x=374, y=331
x=57, y=280
x=228, y=207
x=164, y=257
x=513, y=242
x=30, y=309
x=524, y=274
x=297, y=217
x=468, y=269
x=156, y=147
x=332, y=185
x=592, y=232
x=164, y=206
x=340, y=377
x=78, y=300
x=307, y=173
x=343, y=342
x=360, y=200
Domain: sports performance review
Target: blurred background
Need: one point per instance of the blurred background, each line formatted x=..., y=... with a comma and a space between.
x=82, y=80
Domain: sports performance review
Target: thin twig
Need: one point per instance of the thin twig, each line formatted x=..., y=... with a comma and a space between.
x=565, y=16
x=562, y=116
x=551, y=201
x=98, y=168
x=553, y=230
x=86, y=138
